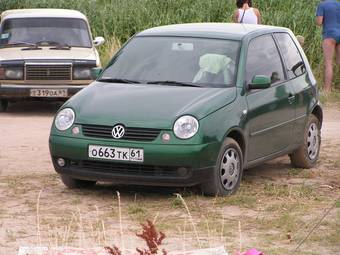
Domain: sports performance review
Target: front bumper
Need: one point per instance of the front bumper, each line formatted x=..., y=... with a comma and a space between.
x=164, y=164
x=23, y=90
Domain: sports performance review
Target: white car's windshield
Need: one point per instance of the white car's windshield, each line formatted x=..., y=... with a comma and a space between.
x=63, y=31
x=175, y=61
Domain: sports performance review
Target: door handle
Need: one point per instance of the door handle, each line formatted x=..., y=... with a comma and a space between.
x=291, y=98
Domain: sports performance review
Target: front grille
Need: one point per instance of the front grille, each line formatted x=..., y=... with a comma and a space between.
x=49, y=72
x=126, y=169
x=135, y=134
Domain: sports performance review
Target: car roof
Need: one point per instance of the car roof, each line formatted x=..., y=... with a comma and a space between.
x=42, y=13
x=232, y=31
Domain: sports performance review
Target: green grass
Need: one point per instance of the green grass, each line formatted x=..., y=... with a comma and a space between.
x=289, y=191
x=337, y=204
x=295, y=171
x=300, y=173
x=333, y=98
x=242, y=199
x=176, y=203
x=137, y=210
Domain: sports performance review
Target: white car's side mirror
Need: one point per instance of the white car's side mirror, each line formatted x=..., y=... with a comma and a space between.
x=98, y=41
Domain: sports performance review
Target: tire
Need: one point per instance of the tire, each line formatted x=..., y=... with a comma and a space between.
x=307, y=154
x=3, y=105
x=223, y=182
x=72, y=183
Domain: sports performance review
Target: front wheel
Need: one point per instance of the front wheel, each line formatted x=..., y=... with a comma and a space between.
x=307, y=154
x=72, y=183
x=226, y=177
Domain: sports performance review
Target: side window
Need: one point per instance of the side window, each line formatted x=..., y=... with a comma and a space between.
x=263, y=58
x=291, y=55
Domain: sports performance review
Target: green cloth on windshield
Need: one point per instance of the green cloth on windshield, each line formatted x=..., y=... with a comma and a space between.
x=214, y=64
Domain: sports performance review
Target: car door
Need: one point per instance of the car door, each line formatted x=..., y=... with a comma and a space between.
x=270, y=111
x=301, y=85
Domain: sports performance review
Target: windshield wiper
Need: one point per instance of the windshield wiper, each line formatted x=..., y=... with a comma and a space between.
x=118, y=80
x=175, y=83
x=31, y=46
x=19, y=43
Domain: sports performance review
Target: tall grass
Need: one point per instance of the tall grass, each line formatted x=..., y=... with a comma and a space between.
x=117, y=20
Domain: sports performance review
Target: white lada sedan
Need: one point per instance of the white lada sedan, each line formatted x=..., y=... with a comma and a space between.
x=45, y=53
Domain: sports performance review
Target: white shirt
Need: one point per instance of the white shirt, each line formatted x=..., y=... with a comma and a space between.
x=249, y=17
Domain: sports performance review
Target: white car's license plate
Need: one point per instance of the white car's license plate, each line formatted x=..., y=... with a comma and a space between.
x=116, y=153
x=48, y=93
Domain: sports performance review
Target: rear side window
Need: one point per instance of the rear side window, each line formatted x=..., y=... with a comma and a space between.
x=263, y=58
x=291, y=55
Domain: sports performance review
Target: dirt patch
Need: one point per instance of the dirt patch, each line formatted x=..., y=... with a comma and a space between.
x=273, y=211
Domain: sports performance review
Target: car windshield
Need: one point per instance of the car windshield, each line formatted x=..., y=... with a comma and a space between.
x=177, y=61
x=29, y=31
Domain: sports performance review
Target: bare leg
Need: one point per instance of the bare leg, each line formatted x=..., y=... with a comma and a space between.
x=328, y=51
x=338, y=54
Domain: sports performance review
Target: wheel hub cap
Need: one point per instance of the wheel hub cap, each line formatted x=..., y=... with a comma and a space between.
x=230, y=169
x=313, y=141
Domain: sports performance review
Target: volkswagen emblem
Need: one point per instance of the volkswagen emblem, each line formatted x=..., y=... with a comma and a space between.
x=118, y=131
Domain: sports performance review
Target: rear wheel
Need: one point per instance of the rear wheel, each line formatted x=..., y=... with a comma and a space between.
x=72, y=183
x=3, y=105
x=227, y=175
x=307, y=154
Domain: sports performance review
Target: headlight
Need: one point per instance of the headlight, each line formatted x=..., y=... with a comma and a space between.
x=64, y=119
x=14, y=73
x=186, y=127
x=82, y=73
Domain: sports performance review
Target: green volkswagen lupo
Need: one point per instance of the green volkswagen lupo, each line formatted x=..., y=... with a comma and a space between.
x=191, y=104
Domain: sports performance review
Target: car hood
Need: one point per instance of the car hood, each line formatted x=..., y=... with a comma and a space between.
x=153, y=106
x=16, y=53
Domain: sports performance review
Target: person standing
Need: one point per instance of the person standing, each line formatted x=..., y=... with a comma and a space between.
x=328, y=16
x=246, y=13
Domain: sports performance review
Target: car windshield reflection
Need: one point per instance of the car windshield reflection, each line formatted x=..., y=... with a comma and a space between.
x=45, y=32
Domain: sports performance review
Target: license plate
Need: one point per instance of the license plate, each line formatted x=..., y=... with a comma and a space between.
x=116, y=153
x=48, y=93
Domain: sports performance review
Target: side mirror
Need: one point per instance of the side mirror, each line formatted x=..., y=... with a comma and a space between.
x=98, y=41
x=95, y=72
x=260, y=82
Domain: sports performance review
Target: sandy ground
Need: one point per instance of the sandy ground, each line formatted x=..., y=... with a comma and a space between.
x=36, y=209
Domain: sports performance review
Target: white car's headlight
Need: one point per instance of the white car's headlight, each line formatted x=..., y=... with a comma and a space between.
x=14, y=73
x=64, y=119
x=186, y=127
x=82, y=73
